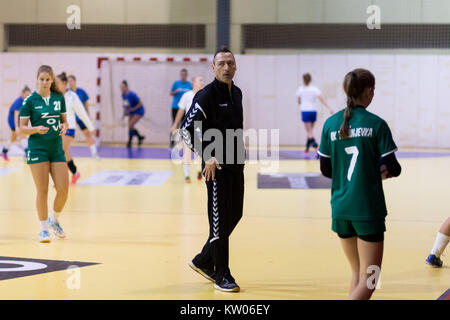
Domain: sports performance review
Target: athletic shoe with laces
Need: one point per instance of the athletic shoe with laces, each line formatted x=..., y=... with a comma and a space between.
x=207, y=273
x=75, y=177
x=44, y=236
x=187, y=179
x=199, y=175
x=227, y=284
x=434, y=261
x=56, y=228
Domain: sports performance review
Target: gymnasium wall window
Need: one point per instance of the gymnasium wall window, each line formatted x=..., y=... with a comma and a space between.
x=92, y=35
x=345, y=36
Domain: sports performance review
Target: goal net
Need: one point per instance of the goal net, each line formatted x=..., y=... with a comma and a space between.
x=151, y=81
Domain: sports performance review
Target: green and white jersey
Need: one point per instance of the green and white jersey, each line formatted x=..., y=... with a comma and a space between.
x=44, y=112
x=357, y=190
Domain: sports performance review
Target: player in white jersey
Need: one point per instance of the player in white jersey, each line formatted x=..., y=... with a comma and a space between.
x=184, y=105
x=74, y=107
x=307, y=96
x=72, y=81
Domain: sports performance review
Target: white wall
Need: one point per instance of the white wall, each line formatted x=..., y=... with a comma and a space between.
x=412, y=93
x=412, y=90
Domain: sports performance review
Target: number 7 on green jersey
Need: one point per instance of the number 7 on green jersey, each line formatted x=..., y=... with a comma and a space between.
x=354, y=152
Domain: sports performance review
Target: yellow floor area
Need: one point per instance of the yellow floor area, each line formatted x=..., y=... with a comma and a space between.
x=283, y=248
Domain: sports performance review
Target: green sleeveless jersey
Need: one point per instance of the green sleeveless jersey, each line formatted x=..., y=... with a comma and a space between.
x=44, y=112
x=356, y=189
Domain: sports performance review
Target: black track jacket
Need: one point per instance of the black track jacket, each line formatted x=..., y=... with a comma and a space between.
x=216, y=111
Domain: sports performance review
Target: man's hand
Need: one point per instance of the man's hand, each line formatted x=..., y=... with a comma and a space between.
x=210, y=168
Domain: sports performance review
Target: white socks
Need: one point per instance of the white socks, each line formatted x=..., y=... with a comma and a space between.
x=440, y=244
x=44, y=225
x=93, y=150
x=55, y=215
x=8, y=144
x=24, y=143
x=186, y=170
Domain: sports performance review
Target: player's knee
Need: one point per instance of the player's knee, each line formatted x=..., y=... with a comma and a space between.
x=42, y=194
x=62, y=191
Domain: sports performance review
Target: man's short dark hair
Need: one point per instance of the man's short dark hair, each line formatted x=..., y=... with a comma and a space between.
x=222, y=50
x=184, y=70
x=125, y=83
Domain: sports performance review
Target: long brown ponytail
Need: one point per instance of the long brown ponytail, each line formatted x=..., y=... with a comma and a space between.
x=49, y=70
x=355, y=82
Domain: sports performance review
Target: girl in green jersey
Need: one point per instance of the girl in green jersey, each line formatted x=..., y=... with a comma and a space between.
x=46, y=110
x=357, y=151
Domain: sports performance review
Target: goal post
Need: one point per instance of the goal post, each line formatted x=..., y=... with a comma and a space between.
x=151, y=79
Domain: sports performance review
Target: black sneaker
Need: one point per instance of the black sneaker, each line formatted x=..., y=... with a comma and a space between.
x=129, y=144
x=207, y=273
x=227, y=284
x=308, y=144
x=434, y=261
x=141, y=138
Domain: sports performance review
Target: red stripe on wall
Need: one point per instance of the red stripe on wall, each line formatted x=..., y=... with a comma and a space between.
x=99, y=61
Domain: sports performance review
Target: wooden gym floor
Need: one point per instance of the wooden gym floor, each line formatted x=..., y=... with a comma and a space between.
x=142, y=237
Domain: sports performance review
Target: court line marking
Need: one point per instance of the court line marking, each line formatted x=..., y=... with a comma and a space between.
x=445, y=295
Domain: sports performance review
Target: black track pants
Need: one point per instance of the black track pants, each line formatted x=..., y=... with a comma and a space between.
x=225, y=204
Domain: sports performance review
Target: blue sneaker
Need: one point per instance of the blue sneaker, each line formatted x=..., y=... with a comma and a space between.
x=56, y=228
x=434, y=261
x=44, y=236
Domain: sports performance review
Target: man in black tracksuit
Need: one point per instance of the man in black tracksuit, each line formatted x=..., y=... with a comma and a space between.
x=217, y=111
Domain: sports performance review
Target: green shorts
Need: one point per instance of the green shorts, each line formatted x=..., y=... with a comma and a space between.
x=51, y=151
x=350, y=228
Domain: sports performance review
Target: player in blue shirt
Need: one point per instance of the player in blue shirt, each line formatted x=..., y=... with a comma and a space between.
x=134, y=109
x=179, y=88
x=72, y=81
x=13, y=121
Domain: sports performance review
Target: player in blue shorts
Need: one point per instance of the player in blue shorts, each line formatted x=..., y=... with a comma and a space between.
x=134, y=109
x=13, y=121
x=72, y=81
x=307, y=96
